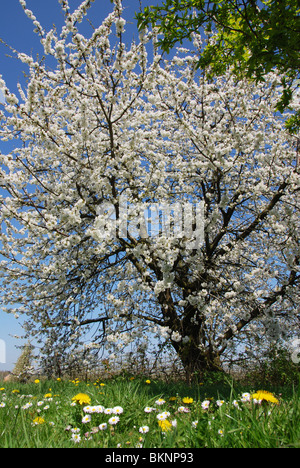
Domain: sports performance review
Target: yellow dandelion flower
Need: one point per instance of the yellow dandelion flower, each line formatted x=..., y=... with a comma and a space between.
x=165, y=425
x=187, y=400
x=148, y=381
x=82, y=399
x=38, y=420
x=263, y=395
x=36, y=381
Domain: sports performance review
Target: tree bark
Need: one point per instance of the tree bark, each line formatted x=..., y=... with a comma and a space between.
x=197, y=362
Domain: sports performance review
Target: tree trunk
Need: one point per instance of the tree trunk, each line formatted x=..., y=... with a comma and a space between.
x=196, y=362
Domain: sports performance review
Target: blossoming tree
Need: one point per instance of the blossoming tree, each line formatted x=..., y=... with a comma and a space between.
x=106, y=138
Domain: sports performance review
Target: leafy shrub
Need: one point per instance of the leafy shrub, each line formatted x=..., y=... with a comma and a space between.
x=277, y=368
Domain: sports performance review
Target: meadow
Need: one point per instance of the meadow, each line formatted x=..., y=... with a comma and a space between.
x=137, y=412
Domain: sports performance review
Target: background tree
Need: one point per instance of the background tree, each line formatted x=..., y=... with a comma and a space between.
x=104, y=138
x=251, y=37
x=24, y=365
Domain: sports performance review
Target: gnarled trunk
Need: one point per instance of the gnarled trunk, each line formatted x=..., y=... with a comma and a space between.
x=196, y=356
x=197, y=362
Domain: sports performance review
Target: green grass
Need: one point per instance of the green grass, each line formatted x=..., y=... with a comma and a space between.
x=234, y=424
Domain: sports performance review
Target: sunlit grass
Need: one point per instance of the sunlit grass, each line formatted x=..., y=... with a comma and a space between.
x=132, y=413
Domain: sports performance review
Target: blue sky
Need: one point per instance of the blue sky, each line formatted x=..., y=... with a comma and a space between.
x=17, y=31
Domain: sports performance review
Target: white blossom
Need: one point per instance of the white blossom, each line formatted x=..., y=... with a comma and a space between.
x=175, y=336
x=101, y=142
x=120, y=23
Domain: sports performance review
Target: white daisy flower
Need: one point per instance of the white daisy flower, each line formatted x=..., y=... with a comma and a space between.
x=205, y=404
x=76, y=438
x=86, y=419
x=118, y=410
x=246, y=397
x=148, y=409
x=162, y=416
x=114, y=420
x=75, y=430
x=183, y=409
x=99, y=409
x=144, y=429
x=103, y=427
x=160, y=401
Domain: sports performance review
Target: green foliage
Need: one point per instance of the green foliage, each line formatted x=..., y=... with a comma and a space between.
x=293, y=123
x=251, y=39
x=277, y=369
x=258, y=38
